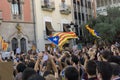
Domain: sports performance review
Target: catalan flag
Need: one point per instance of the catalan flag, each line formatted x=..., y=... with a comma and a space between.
x=4, y=45
x=61, y=38
x=92, y=31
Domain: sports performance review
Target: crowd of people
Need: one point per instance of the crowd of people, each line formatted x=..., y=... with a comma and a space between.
x=90, y=63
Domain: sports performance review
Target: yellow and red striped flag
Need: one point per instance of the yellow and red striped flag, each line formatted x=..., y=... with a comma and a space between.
x=92, y=31
x=64, y=36
x=4, y=45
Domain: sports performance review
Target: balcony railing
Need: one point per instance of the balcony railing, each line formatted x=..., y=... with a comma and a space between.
x=1, y=15
x=48, y=6
x=65, y=9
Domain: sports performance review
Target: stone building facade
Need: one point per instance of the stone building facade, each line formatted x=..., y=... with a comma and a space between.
x=17, y=24
x=102, y=5
x=51, y=16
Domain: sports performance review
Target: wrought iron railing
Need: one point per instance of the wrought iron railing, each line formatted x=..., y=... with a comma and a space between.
x=48, y=5
x=65, y=9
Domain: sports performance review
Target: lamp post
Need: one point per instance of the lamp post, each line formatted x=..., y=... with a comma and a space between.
x=72, y=29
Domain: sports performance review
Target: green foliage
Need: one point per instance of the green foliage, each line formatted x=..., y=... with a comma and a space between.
x=106, y=31
x=108, y=26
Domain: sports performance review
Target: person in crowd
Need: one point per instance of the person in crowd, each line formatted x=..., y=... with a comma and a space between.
x=116, y=71
x=36, y=77
x=31, y=64
x=105, y=55
x=27, y=73
x=92, y=62
x=91, y=70
x=71, y=73
x=50, y=77
x=18, y=51
x=104, y=71
x=20, y=68
x=75, y=61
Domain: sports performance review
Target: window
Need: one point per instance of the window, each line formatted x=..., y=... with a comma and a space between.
x=46, y=3
x=49, y=28
x=66, y=28
x=106, y=2
x=87, y=17
x=79, y=15
x=23, y=45
x=83, y=16
x=76, y=29
x=110, y=2
x=118, y=1
x=81, y=2
x=78, y=2
x=85, y=3
x=63, y=4
x=89, y=4
x=14, y=44
x=74, y=1
x=16, y=7
x=102, y=3
x=114, y=1
x=75, y=15
x=98, y=3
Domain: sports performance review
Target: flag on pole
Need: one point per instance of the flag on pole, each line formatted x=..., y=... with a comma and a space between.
x=92, y=31
x=61, y=38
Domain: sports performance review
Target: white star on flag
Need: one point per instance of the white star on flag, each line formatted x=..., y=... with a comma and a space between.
x=55, y=39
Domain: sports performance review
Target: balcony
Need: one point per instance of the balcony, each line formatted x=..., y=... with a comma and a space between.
x=65, y=9
x=1, y=18
x=48, y=6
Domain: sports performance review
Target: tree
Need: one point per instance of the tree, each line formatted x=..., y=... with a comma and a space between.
x=108, y=26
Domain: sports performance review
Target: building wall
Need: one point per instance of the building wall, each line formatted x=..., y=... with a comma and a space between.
x=82, y=8
x=102, y=5
x=55, y=17
x=5, y=8
x=83, y=11
x=8, y=26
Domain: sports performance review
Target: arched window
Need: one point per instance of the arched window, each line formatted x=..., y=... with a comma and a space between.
x=23, y=45
x=14, y=44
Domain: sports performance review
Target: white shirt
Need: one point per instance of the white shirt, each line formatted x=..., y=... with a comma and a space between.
x=18, y=50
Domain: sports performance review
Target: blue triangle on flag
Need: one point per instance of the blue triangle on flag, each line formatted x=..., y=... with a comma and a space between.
x=96, y=33
x=54, y=39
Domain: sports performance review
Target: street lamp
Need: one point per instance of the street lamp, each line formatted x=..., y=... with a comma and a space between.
x=72, y=27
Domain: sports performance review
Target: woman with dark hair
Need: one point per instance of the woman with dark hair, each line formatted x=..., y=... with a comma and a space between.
x=20, y=68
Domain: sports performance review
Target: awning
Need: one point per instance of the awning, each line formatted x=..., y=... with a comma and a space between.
x=49, y=26
x=65, y=27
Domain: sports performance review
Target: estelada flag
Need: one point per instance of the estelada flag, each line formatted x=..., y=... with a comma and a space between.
x=61, y=38
x=4, y=45
x=92, y=31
